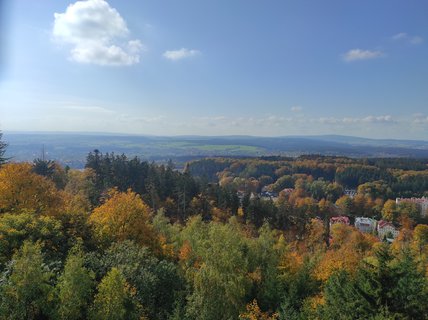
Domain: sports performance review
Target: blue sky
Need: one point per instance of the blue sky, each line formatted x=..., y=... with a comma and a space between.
x=220, y=67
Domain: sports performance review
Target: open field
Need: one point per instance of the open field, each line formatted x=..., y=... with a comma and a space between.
x=71, y=149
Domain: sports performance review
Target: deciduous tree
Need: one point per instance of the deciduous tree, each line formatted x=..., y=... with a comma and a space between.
x=27, y=293
x=114, y=299
x=123, y=216
x=74, y=288
x=21, y=189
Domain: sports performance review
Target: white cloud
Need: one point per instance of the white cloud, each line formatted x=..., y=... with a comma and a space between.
x=182, y=53
x=296, y=109
x=420, y=118
x=416, y=40
x=243, y=122
x=399, y=36
x=359, y=54
x=378, y=119
x=356, y=120
x=402, y=36
x=89, y=109
x=97, y=34
x=154, y=119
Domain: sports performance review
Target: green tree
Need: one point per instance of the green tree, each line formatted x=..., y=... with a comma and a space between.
x=51, y=170
x=156, y=282
x=44, y=168
x=389, y=210
x=114, y=300
x=388, y=284
x=3, y=146
x=264, y=259
x=318, y=189
x=74, y=287
x=17, y=228
x=218, y=276
x=409, y=210
x=297, y=287
x=26, y=293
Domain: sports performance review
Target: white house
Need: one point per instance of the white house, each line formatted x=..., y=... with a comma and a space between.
x=351, y=193
x=386, y=230
x=364, y=224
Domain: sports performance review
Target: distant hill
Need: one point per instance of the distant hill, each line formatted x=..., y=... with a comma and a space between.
x=71, y=148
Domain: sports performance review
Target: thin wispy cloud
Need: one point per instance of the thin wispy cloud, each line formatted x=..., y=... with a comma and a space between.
x=403, y=36
x=296, y=109
x=383, y=119
x=88, y=109
x=97, y=34
x=180, y=54
x=359, y=54
x=420, y=119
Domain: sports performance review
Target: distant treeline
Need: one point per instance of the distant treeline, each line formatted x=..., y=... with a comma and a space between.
x=404, y=177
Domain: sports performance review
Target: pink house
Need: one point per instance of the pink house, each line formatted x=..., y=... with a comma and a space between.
x=340, y=219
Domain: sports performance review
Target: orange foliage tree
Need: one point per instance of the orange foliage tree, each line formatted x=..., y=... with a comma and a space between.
x=348, y=248
x=124, y=216
x=23, y=190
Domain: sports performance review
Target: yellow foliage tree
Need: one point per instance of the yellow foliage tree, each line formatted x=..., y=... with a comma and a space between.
x=348, y=248
x=124, y=216
x=420, y=235
x=389, y=210
x=315, y=236
x=23, y=190
x=253, y=312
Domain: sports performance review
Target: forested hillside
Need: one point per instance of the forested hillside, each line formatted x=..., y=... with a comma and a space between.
x=71, y=148
x=225, y=239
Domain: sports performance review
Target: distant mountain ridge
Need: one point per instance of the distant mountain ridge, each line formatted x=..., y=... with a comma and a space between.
x=72, y=148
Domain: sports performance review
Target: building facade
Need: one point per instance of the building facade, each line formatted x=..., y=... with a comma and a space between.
x=386, y=231
x=364, y=224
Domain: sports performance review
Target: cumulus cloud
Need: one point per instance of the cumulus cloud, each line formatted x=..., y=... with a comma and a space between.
x=402, y=36
x=359, y=54
x=97, y=34
x=296, y=109
x=179, y=54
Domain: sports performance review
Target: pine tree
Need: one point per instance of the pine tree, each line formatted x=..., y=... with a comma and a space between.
x=3, y=146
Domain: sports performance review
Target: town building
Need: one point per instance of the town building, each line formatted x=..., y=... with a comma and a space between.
x=339, y=219
x=351, y=193
x=364, y=224
x=421, y=202
x=268, y=195
x=287, y=191
x=386, y=231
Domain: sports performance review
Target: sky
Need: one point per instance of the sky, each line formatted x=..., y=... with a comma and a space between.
x=216, y=67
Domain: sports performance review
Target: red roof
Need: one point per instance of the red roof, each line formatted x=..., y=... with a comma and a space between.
x=383, y=224
x=341, y=219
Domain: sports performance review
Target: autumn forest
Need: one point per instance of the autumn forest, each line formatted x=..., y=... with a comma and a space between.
x=225, y=238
